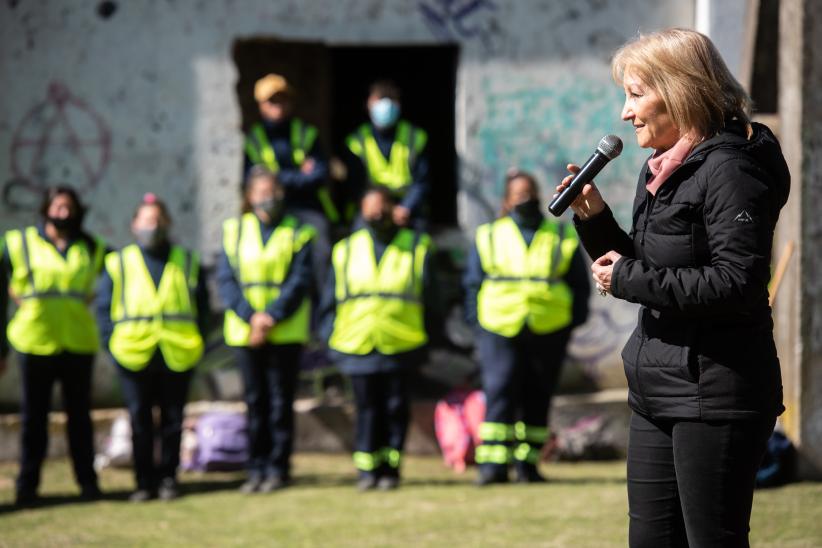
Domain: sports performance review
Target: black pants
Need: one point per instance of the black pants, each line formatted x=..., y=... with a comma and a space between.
x=382, y=420
x=38, y=374
x=519, y=377
x=270, y=376
x=142, y=390
x=692, y=483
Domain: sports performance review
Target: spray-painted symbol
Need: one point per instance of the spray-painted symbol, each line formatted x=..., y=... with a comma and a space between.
x=456, y=20
x=59, y=140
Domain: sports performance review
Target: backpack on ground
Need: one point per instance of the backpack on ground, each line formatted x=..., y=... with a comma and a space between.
x=222, y=442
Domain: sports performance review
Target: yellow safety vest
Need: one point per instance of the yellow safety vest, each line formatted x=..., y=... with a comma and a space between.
x=146, y=317
x=259, y=150
x=54, y=293
x=260, y=271
x=379, y=306
x=523, y=284
x=393, y=172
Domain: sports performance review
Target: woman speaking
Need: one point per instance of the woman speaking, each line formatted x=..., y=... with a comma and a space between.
x=702, y=369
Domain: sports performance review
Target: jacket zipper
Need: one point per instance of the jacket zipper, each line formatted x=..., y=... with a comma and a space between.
x=649, y=205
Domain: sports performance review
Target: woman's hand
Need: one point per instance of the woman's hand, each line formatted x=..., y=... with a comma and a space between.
x=589, y=202
x=261, y=323
x=603, y=269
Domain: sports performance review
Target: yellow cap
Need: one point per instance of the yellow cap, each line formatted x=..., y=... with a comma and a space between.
x=270, y=85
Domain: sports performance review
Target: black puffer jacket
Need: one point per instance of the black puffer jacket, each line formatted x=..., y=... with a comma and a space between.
x=698, y=261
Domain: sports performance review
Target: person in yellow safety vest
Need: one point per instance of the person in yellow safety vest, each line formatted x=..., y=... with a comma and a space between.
x=49, y=271
x=263, y=278
x=526, y=287
x=152, y=309
x=379, y=305
x=290, y=148
x=389, y=152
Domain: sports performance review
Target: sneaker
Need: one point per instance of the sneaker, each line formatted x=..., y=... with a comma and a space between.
x=366, y=482
x=251, y=485
x=168, y=489
x=388, y=483
x=490, y=476
x=141, y=495
x=272, y=483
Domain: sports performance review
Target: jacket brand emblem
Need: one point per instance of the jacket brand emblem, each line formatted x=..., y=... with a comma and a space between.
x=743, y=217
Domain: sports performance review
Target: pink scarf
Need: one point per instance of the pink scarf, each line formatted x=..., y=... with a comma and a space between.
x=662, y=164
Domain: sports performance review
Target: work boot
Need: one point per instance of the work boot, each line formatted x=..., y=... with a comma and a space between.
x=366, y=482
x=251, y=485
x=528, y=473
x=141, y=495
x=90, y=492
x=25, y=498
x=272, y=483
x=388, y=483
x=491, y=474
x=168, y=489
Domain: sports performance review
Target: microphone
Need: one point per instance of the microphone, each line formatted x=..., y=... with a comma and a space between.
x=609, y=147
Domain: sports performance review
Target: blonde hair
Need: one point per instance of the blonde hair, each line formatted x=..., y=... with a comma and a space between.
x=686, y=70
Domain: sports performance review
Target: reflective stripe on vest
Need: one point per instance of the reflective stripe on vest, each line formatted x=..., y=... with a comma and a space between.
x=393, y=172
x=302, y=138
x=260, y=270
x=54, y=292
x=523, y=284
x=147, y=317
x=379, y=306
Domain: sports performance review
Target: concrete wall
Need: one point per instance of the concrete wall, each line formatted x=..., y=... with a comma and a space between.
x=120, y=98
x=798, y=310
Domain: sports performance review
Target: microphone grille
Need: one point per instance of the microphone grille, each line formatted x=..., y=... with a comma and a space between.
x=610, y=146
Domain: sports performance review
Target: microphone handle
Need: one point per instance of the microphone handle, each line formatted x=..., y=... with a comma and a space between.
x=589, y=170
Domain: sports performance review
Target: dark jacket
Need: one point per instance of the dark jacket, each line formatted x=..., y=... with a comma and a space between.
x=578, y=280
x=698, y=261
x=300, y=188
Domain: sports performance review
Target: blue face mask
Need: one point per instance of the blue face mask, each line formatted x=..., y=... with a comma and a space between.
x=385, y=113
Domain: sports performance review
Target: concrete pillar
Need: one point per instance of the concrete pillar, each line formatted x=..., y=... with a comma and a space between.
x=731, y=25
x=798, y=307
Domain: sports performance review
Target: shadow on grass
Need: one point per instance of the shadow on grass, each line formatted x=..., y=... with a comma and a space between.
x=199, y=486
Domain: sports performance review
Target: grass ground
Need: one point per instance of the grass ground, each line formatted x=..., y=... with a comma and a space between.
x=583, y=505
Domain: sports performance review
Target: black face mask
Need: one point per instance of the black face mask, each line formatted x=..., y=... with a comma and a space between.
x=67, y=224
x=271, y=206
x=383, y=227
x=151, y=238
x=528, y=211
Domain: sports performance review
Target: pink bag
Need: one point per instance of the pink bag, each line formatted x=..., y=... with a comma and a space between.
x=456, y=422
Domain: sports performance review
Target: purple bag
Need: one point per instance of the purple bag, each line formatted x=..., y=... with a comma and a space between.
x=222, y=441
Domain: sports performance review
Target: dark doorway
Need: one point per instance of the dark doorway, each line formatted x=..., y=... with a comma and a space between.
x=332, y=83
x=304, y=64
x=427, y=77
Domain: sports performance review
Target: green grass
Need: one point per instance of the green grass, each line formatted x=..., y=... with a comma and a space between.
x=583, y=505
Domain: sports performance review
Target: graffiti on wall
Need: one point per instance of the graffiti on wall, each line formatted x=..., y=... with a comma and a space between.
x=61, y=139
x=463, y=20
x=542, y=128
